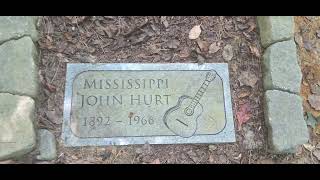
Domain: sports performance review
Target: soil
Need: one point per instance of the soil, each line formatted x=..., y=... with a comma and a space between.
x=159, y=39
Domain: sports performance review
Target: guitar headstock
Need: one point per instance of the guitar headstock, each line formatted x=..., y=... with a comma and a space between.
x=211, y=75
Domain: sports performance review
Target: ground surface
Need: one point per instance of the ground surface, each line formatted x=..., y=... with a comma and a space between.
x=111, y=39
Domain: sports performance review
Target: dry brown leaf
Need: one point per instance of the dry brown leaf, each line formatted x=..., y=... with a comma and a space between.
x=243, y=94
x=184, y=53
x=254, y=50
x=50, y=87
x=227, y=53
x=314, y=101
x=248, y=79
x=316, y=154
x=201, y=60
x=298, y=39
x=164, y=21
x=243, y=114
x=53, y=117
x=173, y=44
x=203, y=45
x=195, y=32
x=252, y=26
x=308, y=147
x=214, y=47
x=315, y=88
x=211, y=159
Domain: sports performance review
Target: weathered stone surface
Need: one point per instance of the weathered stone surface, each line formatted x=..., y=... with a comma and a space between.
x=14, y=27
x=17, y=136
x=47, y=145
x=280, y=67
x=18, y=67
x=285, y=122
x=275, y=28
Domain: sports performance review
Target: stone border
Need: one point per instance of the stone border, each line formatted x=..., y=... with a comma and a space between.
x=282, y=76
x=19, y=87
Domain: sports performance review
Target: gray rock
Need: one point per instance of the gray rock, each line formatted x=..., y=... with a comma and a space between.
x=18, y=67
x=281, y=69
x=275, y=28
x=17, y=136
x=14, y=27
x=47, y=145
x=286, y=126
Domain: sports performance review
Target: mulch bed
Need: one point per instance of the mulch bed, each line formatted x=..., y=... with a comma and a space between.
x=110, y=39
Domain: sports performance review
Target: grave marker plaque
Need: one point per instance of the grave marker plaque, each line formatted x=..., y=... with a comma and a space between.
x=123, y=104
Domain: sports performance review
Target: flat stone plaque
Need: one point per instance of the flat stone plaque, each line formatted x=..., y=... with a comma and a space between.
x=123, y=104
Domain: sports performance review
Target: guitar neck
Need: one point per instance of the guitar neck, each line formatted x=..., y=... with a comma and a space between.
x=199, y=94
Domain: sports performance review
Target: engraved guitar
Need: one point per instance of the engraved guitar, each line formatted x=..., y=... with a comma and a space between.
x=182, y=119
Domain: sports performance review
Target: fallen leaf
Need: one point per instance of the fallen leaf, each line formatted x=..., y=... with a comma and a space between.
x=318, y=33
x=50, y=87
x=248, y=79
x=203, y=45
x=243, y=114
x=234, y=67
x=53, y=117
x=200, y=59
x=316, y=154
x=308, y=45
x=108, y=31
x=76, y=19
x=238, y=157
x=311, y=120
x=213, y=48
x=315, y=88
x=298, y=39
x=212, y=147
x=173, y=44
x=252, y=26
x=244, y=92
x=195, y=32
x=164, y=21
x=49, y=27
x=309, y=147
x=242, y=26
x=154, y=49
x=254, y=50
x=184, y=53
x=211, y=159
x=227, y=53
x=156, y=161
x=311, y=18
x=314, y=101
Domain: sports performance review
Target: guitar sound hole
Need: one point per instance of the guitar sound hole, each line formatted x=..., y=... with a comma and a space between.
x=188, y=111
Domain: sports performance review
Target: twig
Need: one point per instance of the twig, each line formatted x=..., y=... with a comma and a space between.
x=55, y=72
x=116, y=156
